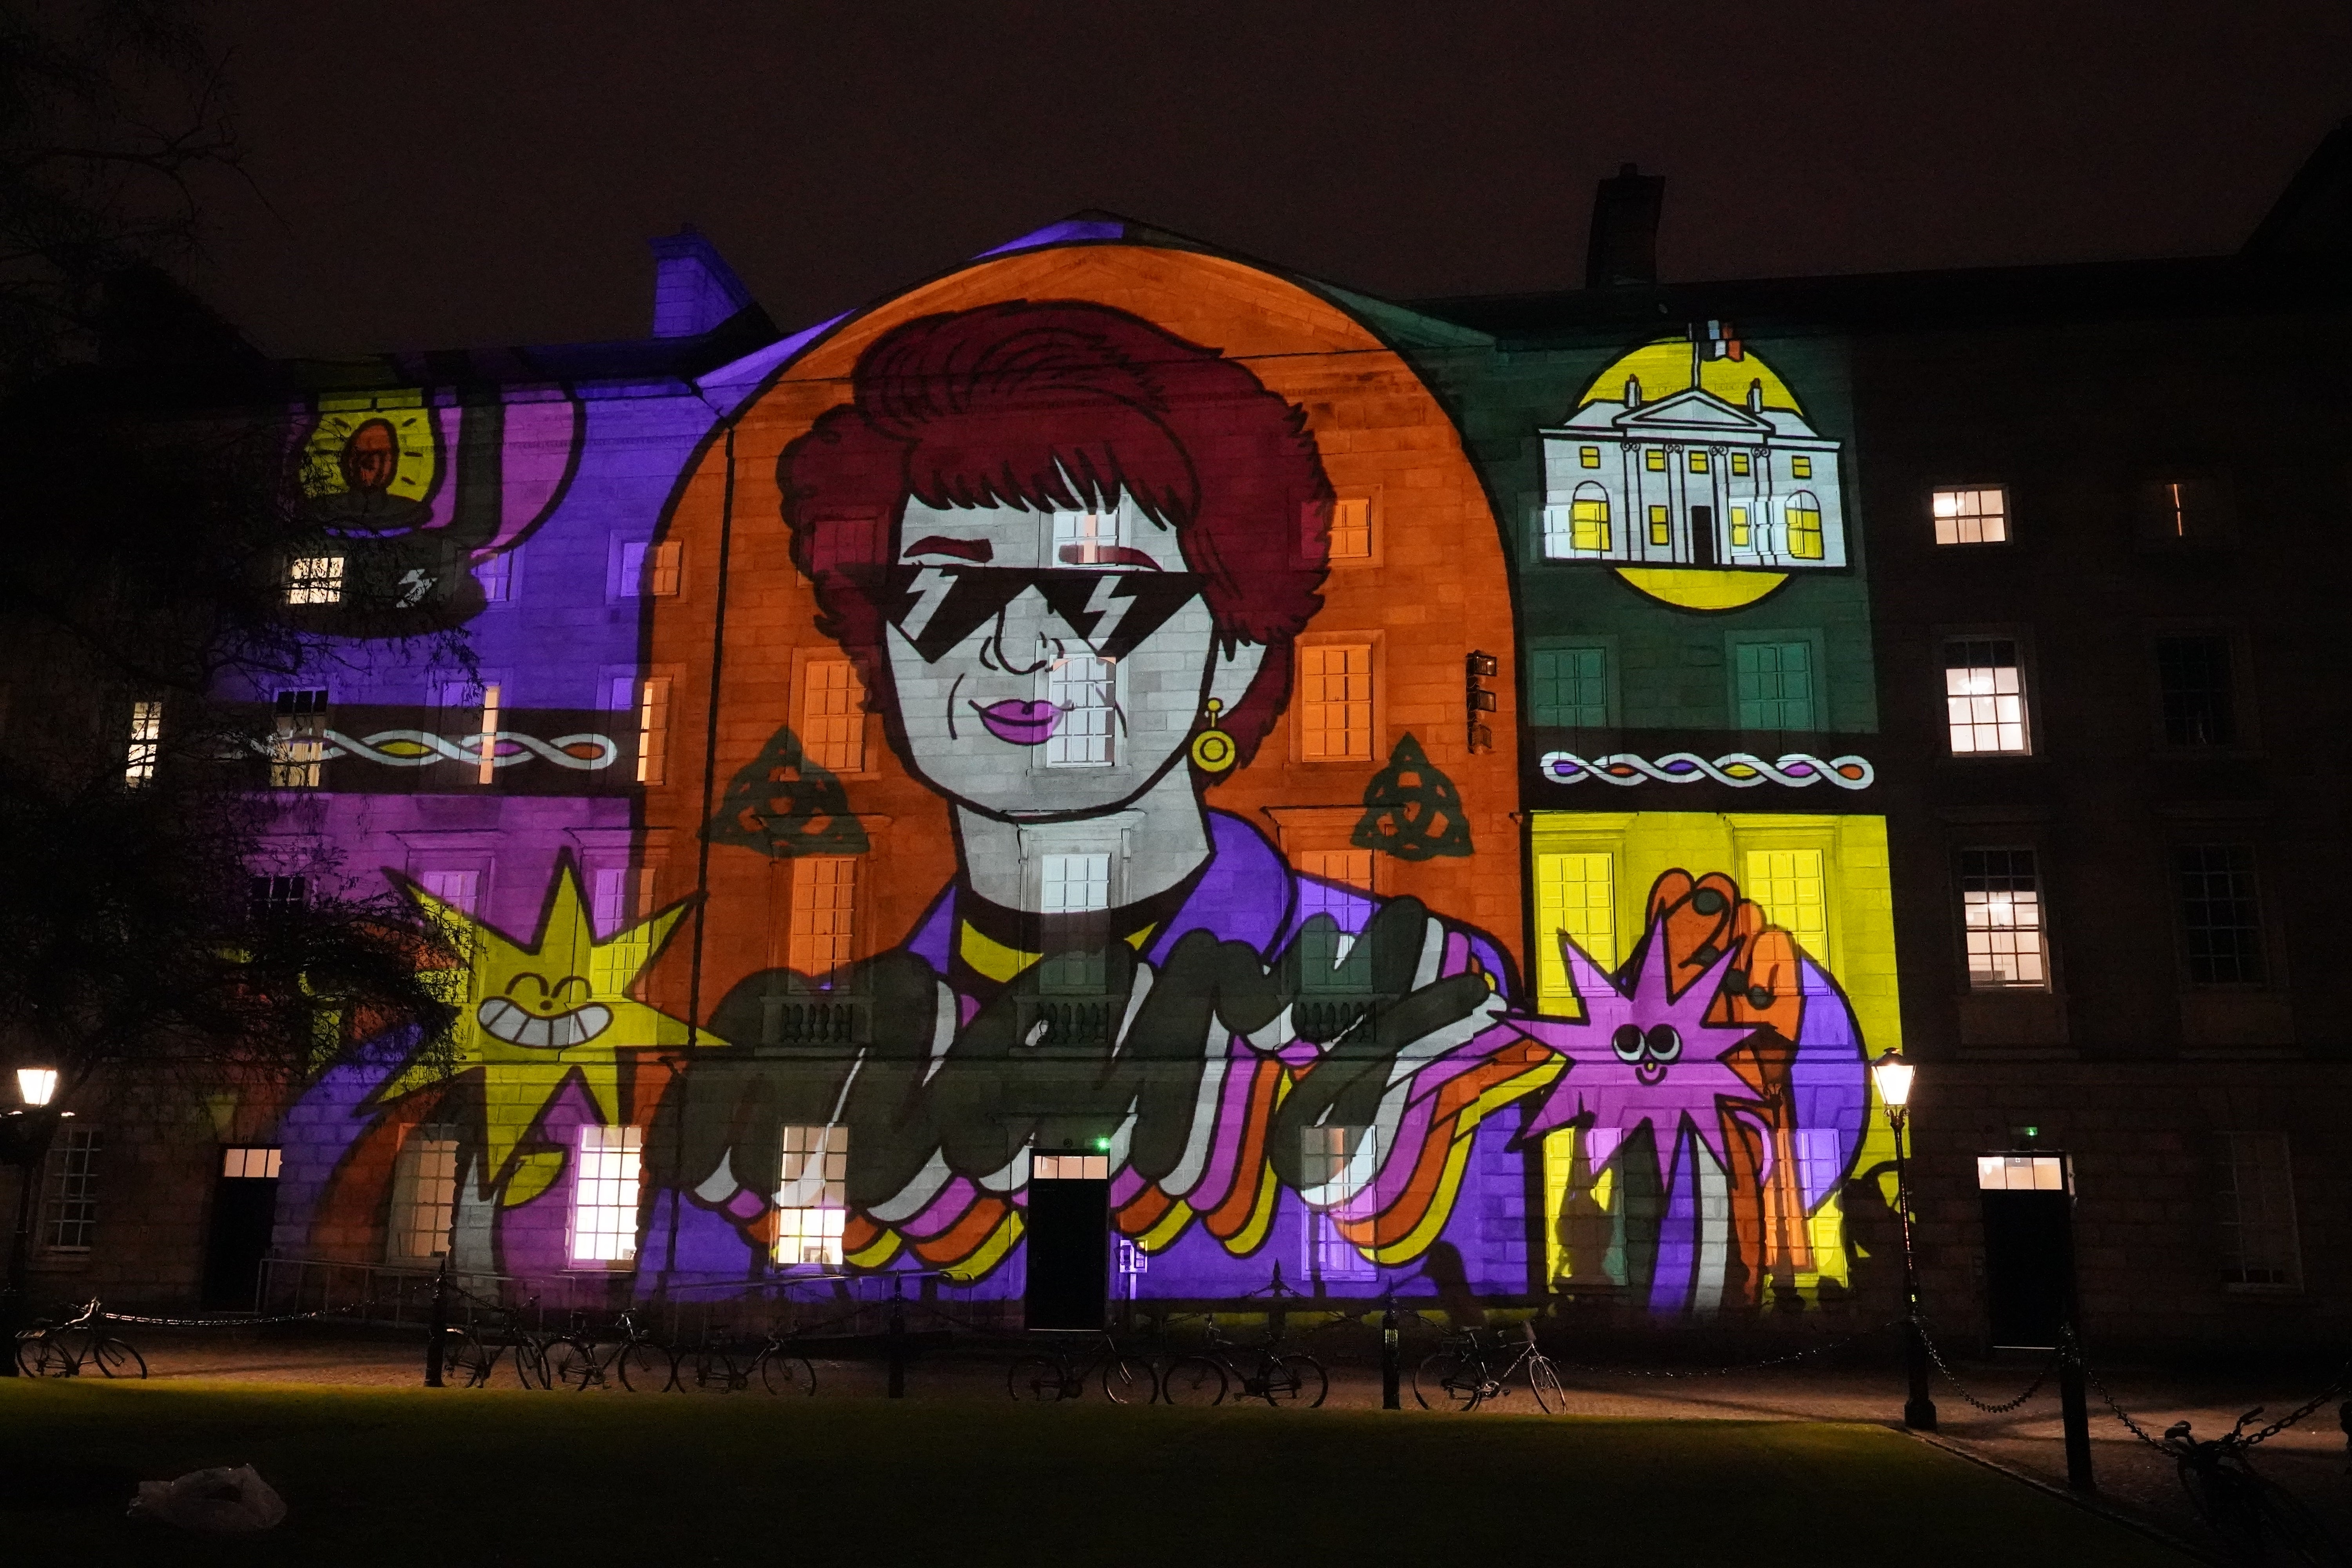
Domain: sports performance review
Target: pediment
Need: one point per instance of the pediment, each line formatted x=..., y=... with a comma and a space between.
x=1693, y=409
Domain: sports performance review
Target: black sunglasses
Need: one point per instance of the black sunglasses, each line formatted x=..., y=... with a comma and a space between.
x=937, y=608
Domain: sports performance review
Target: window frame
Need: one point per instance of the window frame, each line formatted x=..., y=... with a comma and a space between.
x=1374, y=753
x=2241, y=687
x=632, y=1142
x=1818, y=693
x=1374, y=510
x=2048, y=985
x=1613, y=703
x=2232, y=1221
x=2269, y=950
x=2028, y=688
x=63, y=1186
x=804, y=661
x=1965, y=487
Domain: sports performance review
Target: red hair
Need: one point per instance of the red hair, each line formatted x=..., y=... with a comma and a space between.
x=1064, y=405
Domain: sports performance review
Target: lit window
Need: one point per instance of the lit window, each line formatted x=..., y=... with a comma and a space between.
x=497, y=576
x=813, y=1201
x=1334, y=683
x=70, y=1189
x=2260, y=1250
x=1984, y=697
x=649, y=570
x=1976, y=516
x=1352, y=529
x=1576, y=897
x=1655, y=459
x=1075, y=884
x=1084, y=689
x=1587, y=457
x=2000, y=915
x=298, y=745
x=315, y=580
x=1739, y=464
x=824, y=914
x=653, y=728
x=1588, y=519
x=251, y=1164
x=1326, y=877
x=1774, y=685
x=424, y=1196
x=1789, y=886
x=2221, y=914
x=1660, y=533
x=1739, y=535
x=2176, y=508
x=1326, y=1152
x=2194, y=678
x=275, y=898
x=487, y=769
x=1069, y=1167
x=1084, y=538
x=1569, y=686
x=604, y=1192
x=1698, y=462
x=833, y=715
x=146, y=742
x=1804, y=516
x=1800, y=468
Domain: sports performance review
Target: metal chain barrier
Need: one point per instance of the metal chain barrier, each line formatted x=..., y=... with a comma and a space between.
x=209, y=1322
x=2301, y=1412
x=2006, y=1405
x=1811, y=1350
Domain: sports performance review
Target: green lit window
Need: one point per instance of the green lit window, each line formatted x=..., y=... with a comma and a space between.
x=1587, y=457
x=1569, y=686
x=1774, y=685
x=1655, y=459
x=1698, y=462
x=1660, y=533
x=1800, y=468
x=1805, y=526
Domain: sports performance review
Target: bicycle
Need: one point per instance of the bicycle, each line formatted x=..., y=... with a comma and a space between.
x=2252, y=1512
x=1045, y=1379
x=1281, y=1378
x=575, y=1360
x=1459, y=1374
x=67, y=1349
x=473, y=1352
x=780, y=1367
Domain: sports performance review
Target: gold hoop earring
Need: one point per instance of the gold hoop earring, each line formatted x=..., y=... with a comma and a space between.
x=1212, y=750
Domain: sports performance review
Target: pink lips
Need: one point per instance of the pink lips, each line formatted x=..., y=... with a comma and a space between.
x=1022, y=723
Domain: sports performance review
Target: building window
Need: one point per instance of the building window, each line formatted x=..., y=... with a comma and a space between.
x=1352, y=529
x=315, y=580
x=833, y=715
x=1327, y=1151
x=1739, y=464
x=1773, y=682
x=653, y=728
x=2000, y=913
x=424, y=1196
x=275, y=898
x=1655, y=459
x=1587, y=457
x=70, y=1189
x=1588, y=519
x=1576, y=897
x=652, y=571
x=1978, y=516
x=1328, y=879
x=2221, y=914
x=487, y=769
x=1084, y=538
x=146, y=743
x=1084, y=689
x=500, y=576
x=1984, y=697
x=1073, y=886
x=1698, y=462
x=1336, y=702
x=1789, y=887
x=1800, y=468
x=813, y=1201
x=1741, y=538
x=2260, y=1250
x=1660, y=533
x=604, y=1190
x=1569, y=686
x=298, y=743
x=252, y=1163
x=2193, y=679
x=1804, y=515
x=823, y=912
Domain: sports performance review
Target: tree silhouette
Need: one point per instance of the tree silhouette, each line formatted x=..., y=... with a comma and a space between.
x=1412, y=810
x=782, y=805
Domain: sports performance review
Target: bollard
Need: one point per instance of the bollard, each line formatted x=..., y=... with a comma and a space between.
x=436, y=1341
x=1391, y=1359
x=897, y=1336
x=2074, y=1410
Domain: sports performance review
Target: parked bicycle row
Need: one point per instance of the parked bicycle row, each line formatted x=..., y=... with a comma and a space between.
x=578, y=1359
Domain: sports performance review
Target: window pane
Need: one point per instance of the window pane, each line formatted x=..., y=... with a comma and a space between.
x=2000, y=914
x=1336, y=701
x=1984, y=697
x=1774, y=682
x=1788, y=885
x=2194, y=678
x=1575, y=897
x=146, y=738
x=315, y=580
x=424, y=1195
x=811, y=1201
x=1570, y=687
x=298, y=747
x=832, y=719
x=1084, y=688
x=605, y=1194
x=69, y=1191
x=1979, y=516
x=2259, y=1245
x=823, y=912
x=653, y=728
x=1325, y=1153
x=1327, y=877
x=2220, y=915
x=1352, y=529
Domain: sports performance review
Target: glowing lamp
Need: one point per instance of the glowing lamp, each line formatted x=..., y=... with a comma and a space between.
x=1893, y=1074
x=37, y=1086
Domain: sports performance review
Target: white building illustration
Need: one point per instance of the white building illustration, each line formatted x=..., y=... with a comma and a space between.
x=1646, y=477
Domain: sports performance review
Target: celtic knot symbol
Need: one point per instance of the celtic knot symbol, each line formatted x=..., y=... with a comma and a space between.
x=1740, y=770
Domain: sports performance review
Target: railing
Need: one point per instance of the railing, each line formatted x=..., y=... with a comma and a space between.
x=810, y=1021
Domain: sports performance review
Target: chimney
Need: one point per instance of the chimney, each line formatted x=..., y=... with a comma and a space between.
x=1624, y=242
x=694, y=288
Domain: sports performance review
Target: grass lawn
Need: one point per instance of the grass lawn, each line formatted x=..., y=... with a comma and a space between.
x=477, y=1479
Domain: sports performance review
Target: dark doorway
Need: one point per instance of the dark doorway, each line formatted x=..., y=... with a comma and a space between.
x=1702, y=535
x=2028, y=1203
x=1068, y=1240
x=244, y=1209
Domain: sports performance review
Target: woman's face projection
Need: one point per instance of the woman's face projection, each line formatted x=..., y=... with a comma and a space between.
x=1048, y=663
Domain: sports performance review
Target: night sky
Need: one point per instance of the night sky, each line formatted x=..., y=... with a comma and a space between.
x=443, y=172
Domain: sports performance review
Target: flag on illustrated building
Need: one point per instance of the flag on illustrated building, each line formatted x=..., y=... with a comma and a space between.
x=1717, y=340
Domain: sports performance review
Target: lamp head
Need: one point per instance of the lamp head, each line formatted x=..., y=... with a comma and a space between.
x=1893, y=1076
x=37, y=1086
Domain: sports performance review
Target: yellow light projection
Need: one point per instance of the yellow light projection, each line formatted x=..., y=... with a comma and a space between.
x=536, y=1014
x=383, y=445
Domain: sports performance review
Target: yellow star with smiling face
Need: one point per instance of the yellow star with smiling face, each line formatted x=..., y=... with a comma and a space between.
x=535, y=1015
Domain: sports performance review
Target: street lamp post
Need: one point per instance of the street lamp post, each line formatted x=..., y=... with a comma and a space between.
x=1893, y=1076
x=25, y=1135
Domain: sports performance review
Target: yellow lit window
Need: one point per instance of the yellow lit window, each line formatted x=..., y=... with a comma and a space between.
x=1804, y=526
x=1575, y=896
x=1655, y=459
x=825, y=906
x=1698, y=462
x=1335, y=685
x=1740, y=528
x=833, y=722
x=1588, y=524
x=315, y=580
x=1739, y=463
x=1800, y=468
x=653, y=728
x=146, y=742
x=1352, y=529
x=813, y=1202
x=1788, y=885
x=1587, y=457
x=1659, y=532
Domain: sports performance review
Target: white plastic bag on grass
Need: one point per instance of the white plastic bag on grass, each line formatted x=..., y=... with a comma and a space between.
x=220, y=1500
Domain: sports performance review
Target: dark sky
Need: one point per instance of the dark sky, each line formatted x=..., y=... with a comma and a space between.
x=439, y=173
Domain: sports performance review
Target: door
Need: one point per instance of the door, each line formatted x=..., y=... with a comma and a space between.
x=2029, y=1226
x=1702, y=535
x=244, y=1209
x=1068, y=1240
